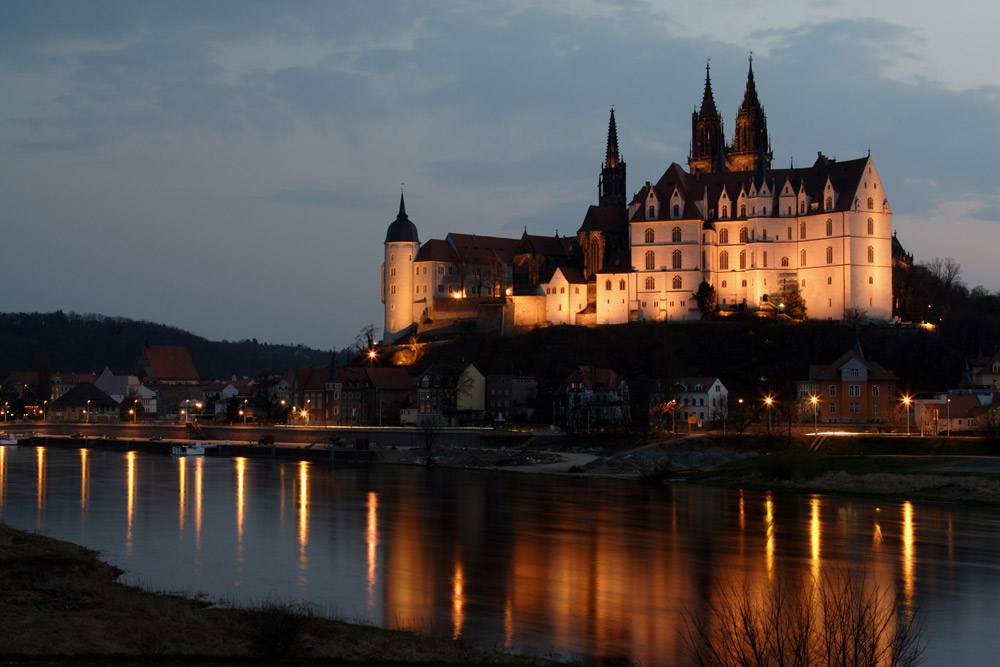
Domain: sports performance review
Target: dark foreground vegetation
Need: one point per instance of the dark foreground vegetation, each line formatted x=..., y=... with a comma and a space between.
x=61, y=605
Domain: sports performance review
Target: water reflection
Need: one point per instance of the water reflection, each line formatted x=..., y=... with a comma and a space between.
x=492, y=557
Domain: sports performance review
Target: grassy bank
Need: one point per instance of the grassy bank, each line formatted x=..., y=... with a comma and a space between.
x=61, y=605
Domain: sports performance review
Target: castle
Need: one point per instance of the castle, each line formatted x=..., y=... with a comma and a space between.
x=754, y=233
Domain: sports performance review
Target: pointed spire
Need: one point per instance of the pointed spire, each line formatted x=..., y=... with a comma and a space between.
x=750, y=100
x=708, y=100
x=612, y=158
x=857, y=342
x=402, y=204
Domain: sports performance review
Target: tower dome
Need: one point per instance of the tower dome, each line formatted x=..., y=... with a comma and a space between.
x=401, y=230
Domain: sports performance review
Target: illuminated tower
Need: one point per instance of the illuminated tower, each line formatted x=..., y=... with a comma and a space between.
x=708, y=144
x=611, y=188
x=401, y=245
x=750, y=141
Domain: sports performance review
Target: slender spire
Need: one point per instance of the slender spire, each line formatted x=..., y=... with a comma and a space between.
x=402, y=205
x=708, y=109
x=750, y=100
x=612, y=158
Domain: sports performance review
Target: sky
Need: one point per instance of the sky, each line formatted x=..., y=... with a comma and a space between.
x=230, y=167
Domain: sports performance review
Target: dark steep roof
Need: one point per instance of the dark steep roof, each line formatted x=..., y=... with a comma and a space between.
x=401, y=230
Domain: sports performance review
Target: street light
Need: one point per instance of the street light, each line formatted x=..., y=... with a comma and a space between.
x=906, y=402
x=815, y=402
x=244, y=412
x=768, y=400
x=948, y=401
x=135, y=410
x=88, y=411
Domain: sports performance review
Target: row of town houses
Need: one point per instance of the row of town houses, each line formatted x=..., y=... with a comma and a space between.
x=850, y=390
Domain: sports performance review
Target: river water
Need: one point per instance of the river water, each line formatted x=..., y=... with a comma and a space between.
x=581, y=568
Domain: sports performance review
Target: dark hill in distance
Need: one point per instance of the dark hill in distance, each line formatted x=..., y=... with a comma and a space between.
x=87, y=343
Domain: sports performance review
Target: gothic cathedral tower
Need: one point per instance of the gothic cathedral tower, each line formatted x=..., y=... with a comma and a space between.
x=611, y=188
x=750, y=142
x=708, y=144
x=401, y=246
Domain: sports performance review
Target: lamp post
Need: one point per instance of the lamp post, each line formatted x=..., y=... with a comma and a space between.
x=135, y=410
x=906, y=402
x=948, y=405
x=87, y=413
x=6, y=405
x=768, y=400
x=45, y=409
x=815, y=402
x=244, y=412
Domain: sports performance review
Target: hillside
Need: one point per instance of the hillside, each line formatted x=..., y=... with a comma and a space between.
x=87, y=343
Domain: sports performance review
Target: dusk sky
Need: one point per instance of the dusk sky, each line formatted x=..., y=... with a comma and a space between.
x=230, y=168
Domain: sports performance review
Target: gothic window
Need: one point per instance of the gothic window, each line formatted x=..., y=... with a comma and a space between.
x=649, y=235
x=743, y=259
x=802, y=230
x=764, y=213
x=724, y=236
x=562, y=290
x=871, y=255
x=802, y=207
x=621, y=284
x=392, y=289
x=764, y=256
x=677, y=282
x=677, y=211
x=723, y=260
x=829, y=227
x=675, y=235
x=650, y=259
x=676, y=259
x=743, y=234
x=871, y=204
x=652, y=212
x=392, y=271
x=829, y=280
x=871, y=227
x=829, y=203
x=743, y=210
x=829, y=255
x=651, y=283
x=784, y=261
x=725, y=211
x=607, y=285
x=802, y=258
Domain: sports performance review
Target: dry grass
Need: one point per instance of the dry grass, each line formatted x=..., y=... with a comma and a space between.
x=943, y=487
x=60, y=604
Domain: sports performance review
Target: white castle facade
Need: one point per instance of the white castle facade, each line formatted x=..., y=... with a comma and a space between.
x=753, y=233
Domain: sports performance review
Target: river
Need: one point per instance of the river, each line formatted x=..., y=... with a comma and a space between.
x=576, y=567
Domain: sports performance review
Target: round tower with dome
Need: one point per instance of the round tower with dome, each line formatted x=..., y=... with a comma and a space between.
x=401, y=246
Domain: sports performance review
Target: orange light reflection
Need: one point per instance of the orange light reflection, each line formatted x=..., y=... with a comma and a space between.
x=769, y=532
x=908, y=552
x=303, y=521
x=130, y=503
x=457, y=601
x=181, y=492
x=372, y=539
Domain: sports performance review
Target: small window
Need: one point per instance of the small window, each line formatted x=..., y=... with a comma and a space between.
x=675, y=235
x=607, y=285
x=802, y=207
x=723, y=260
x=652, y=212
x=871, y=280
x=802, y=258
x=802, y=229
x=829, y=203
x=833, y=390
x=723, y=283
x=743, y=235
x=764, y=258
x=676, y=259
x=650, y=282
x=871, y=255
x=871, y=227
x=677, y=211
x=743, y=211
x=829, y=280
x=875, y=390
x=725, y=211
x=724, y=236
x=784, y=261
x=871, y=204
x=621, y=284
x=829, y=255
x=744, y=283
x=743, y=259
x=562, y=290
x=649, y=235
x=677, y=282
x=789, y=233
x=650, y=259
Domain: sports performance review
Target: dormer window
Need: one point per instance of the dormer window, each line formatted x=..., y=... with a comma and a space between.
x=802, y=207
x=743, y=210
x=677, y=211
x=829, y=203
x=871, y=204
x=725, y=211
x=652, y=212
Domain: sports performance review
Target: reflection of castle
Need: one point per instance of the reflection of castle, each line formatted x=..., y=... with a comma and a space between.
x=752, y=232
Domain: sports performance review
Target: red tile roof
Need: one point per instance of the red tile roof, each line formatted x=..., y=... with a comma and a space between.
x=595, y=379
x=170, y=363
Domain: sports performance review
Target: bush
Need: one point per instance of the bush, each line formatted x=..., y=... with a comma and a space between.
x=276, y=626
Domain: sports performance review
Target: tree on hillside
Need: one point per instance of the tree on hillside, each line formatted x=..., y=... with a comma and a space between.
x=793, y=301
x=706, y=298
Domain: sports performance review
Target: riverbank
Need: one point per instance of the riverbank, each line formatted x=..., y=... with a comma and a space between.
x=60, y=604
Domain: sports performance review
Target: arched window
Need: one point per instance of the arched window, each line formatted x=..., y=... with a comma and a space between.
x=743, y=259
x=676, y=259
x=871, y=254
x=724, y=236
x=743, y=234
x=871, y=227
x=829, y=227
x=725, y=211
x=607, y=285
x=650, y=259
x=649, y=235
x=652, y=212
x=675, y=234
x=621, y=284
x=744, y=284
x=677, y=282
x=871, y=280
x=829, y=203
x=651, y=283
x=829, y=255
x=723, y=260
x=802, y=258
x=392, y=289
x=562, y=290
x=802, y=207
x=802, y=229
x=784, y=261
x=677, y=211
x=743, y=210
x=764, y=257
x=871, y=204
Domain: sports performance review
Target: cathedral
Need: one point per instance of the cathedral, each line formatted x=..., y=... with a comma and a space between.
x=754, y=233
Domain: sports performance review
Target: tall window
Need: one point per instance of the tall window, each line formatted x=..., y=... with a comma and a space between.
x=677, y=211
x=871, y=255
x=829, y=203
x=607, y=285
x=802, y=258
x=724, y=236
x=871, y=227
x=621, y=284
x=743, y=234
x=652, y=212
x=651, y=283
x=650, y=259
x=677, y=282
x=743, y=259
x=764, y=257
x=784, y=261
x=675, y=234
x=802, y=230
x=871, y=204
x=743, y=210
x=723, y=260
x=802, y=207
x=676, y=259
x=725, y=211
x=829, y=255
x=649, y=235
x=829, y=227
x=789, y=233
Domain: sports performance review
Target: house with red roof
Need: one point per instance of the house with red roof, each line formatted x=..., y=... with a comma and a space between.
x=591, y=398
x=852, y=389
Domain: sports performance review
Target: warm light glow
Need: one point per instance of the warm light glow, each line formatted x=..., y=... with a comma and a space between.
x=458, y=600
x=814, y=534
x=3, y=474
x=813, y=400
x=906, y=400
x=768, y=400
x=908, y=552
x=769, y=533
x=372, y=354
x=41, y=486
x=130, y=503
x=509, y=291
x=84, y=485
x=372, y=539
x=241, y=465
x=182, y=491
x=303, y=521
x=198, y=475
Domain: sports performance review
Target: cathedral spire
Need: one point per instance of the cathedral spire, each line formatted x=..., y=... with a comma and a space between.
x=708, y=143
x=708, y=109
x=750, y=142
x=611, y=186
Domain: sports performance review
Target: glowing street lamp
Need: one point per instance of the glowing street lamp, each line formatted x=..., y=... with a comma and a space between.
x=948, y=401
x=906, y=402
x=244, y=412
x=768, y=400
x=88, y=411
x=815, y=402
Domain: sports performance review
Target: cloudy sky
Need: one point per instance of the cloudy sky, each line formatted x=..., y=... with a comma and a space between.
x=230, y=167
